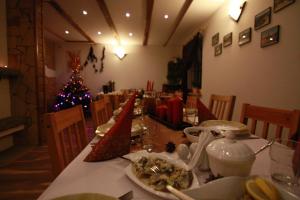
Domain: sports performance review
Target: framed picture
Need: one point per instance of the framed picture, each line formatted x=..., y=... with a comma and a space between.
x=245, y=36
x=262, y=19
x=270, y=36
x=218, y=49
x=215, y=39
x=280, y=4
x=227, y=40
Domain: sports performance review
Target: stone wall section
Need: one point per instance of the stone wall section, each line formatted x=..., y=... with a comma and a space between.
x=25, y=54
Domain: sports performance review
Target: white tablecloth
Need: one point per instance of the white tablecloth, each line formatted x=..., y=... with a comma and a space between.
x=108, y=177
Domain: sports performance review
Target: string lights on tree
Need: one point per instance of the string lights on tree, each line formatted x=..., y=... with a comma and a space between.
x=74, y=92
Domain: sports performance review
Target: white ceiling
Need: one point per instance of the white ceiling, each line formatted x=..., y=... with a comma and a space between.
x=94, y=21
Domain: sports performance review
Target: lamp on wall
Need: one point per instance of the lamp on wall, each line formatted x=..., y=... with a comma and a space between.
x=236, y=9
x=120, y=53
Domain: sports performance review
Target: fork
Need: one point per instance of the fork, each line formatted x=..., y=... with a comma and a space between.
x=170, y=188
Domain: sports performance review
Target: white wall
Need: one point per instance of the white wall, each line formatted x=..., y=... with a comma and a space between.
x=141, y=64
x=261, y=76
x=4, y=83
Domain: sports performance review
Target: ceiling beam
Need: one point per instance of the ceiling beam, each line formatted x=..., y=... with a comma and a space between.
x=69, y=19
x=149, y=10
x=103, y=7
x=179, y=17
x=55, y=34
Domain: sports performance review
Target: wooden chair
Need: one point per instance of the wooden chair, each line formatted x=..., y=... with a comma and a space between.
x=99, y=112
x=281, y=118
x=109, y=107
x=222, y=106
x=66, y=136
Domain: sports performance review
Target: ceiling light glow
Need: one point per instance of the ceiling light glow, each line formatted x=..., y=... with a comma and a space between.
x=99, y=33
x=67, y=32
x=120, y=53
x=166, y=16
x=236, y=8
x=127, y=14
x=84, y=12
x=130, y=34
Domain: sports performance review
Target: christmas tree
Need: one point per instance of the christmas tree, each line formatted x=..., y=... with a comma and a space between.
x=74, y=92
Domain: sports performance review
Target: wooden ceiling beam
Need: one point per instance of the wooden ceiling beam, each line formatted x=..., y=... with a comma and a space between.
x=55, y=34
x=103, y=7
x=149, y=10
x=179, y=17
x=69, y=19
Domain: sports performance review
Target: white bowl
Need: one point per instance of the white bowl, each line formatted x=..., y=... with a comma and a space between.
x=229, y=188
x=229, y=158
x=190, y=137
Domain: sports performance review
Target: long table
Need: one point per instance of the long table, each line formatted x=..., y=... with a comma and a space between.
x=109, y=178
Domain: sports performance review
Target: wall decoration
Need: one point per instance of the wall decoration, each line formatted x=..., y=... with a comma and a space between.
x=215, y=39
x=280, y=4
x=218, y=49
x=227, y=39
x=92, y=58
x=262, y=19
x=270, y=36
x=245, y=36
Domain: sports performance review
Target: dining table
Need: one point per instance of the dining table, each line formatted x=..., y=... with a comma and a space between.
x=109, y=177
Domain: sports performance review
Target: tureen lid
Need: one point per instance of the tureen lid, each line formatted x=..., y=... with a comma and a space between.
x=230, y=150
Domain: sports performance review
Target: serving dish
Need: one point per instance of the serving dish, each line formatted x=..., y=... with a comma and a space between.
x=232, y=187
x=85, y=196
x=129, y=172
x=227, y=128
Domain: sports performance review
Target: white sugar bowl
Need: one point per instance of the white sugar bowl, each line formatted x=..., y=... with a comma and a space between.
x=229, y=157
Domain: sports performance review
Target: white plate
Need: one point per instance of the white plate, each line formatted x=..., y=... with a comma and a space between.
x=232, y=187
x=236, y=128
x=85, y=196
x=136, y=129
x=177, y=162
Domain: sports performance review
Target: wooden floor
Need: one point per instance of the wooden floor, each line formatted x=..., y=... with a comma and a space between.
x=27, y=176
x=25, y=172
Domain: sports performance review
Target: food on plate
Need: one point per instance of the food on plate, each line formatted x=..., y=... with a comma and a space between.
x=168, y=174
x=195, y=132
x=260, y=189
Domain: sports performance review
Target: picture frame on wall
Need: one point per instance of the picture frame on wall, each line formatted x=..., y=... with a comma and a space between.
x=263, y=18
x=269, y=36
x=218, y=49
x=280, y=4
x=227, y=40
x=215, y=39
x=245, y=36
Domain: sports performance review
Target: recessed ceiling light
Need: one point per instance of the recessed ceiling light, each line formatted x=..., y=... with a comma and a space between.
x=99, y=33
x=67, y=32
x=166, y=16
x=130, y=34
x=84, y=12
x=127, y=14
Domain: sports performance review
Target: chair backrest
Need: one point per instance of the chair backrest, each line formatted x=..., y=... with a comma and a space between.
x=99, y=112
x=108, y=104
x=222, y=106
x=66, y=136
x=279, y=117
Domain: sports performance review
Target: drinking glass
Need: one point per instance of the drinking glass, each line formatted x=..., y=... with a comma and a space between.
x=149, y=134
x=285, y=164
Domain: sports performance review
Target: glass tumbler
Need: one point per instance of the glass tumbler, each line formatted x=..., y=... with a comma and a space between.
x=285, y=164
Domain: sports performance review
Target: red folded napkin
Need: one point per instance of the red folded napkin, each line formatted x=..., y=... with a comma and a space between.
x=116, y=142
x=204, y=113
